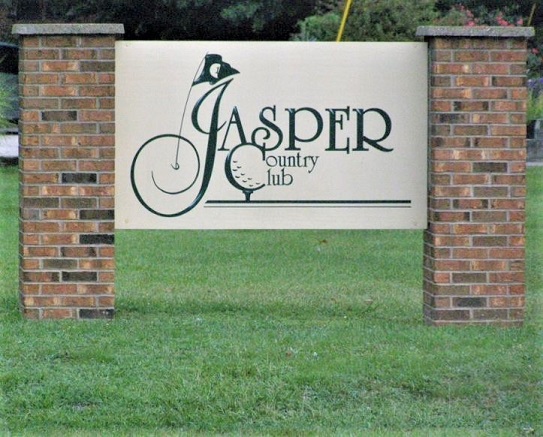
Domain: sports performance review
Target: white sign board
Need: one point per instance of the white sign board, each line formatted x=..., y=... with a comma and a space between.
x=271, y=135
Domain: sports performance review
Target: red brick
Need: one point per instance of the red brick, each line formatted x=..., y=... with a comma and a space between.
x=39, y=178
x=77, y=128
x=507, y=155
x=96, y=91
x=471, y=179
x=451, y=93
x=501, y=69
x=106, y=78
x=490, y=142
x=97, y=115
x=78, y=103
x=489, y=94
x=107, y=227
x=488, y=265
x=519, y=94
x=450, y=69
x=507, y=56
x=450, y=265
x=106, y=301
x=473, y=81
x=40, y=79
x=491, y=314
x=106, y=277
x=97, y=41
x=97, y=264
x=106, y=251
x=78, y=301
x=450, y=315
x=59, y=239
x=490, y=118
x=40, y=54
x=60, y=214
x=507, y=228
x=59, y=313
x=439, y=228
x=507, y=106
x=58, y=91
x=58, y=66
x=470, y=229
x=30, y=41
x=40, y=227
x=80, y=153
x=506, y=277
x=30, y=264
x=39, y=103
x=451, y=191
x=40, y=277
x=59, y=289
x=40, y=251
x=106, y=103
x=451, y=167
x=63, y=165
x=517, y=216
x=79, y=53
x=452, y=241
x=106, y=54
x=470, y=130
x=79, y=78
x=95, y=289
x=489, y=216
x=509, y=204
x=489, y=290
x=508, y=130
x=509, y=81
x=59, y=41
x=97, y=191
x=490, y=241
x=79, y=227
x=490, y=191
x=471, y=106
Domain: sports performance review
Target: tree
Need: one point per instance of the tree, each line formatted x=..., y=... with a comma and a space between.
x=371, y=20
x=175, y=19
x=388, y=20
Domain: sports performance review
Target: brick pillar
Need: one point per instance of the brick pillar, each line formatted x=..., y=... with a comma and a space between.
x=66, y=160
x=474, y=247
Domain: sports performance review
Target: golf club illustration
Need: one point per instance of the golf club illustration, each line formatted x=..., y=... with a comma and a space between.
x=171, y=164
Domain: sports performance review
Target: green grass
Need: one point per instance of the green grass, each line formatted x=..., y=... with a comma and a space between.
x=268, y=332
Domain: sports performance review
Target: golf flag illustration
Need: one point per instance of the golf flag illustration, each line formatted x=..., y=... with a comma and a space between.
x=155, y=160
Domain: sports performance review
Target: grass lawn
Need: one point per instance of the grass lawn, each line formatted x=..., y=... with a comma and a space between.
x=268, y=332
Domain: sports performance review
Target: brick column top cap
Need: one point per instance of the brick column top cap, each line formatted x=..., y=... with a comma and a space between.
x=476, y=31
x=68, y=29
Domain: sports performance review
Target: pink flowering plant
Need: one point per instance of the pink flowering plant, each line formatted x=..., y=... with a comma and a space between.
x=460, y=15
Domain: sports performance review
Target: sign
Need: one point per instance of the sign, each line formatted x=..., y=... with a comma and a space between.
x=271, y=135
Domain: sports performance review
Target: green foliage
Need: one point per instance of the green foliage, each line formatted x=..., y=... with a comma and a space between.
x=388, y=20
x=371, y=20
x=185, y=19
x=318, y=28
x=7, y=90
x=266, y=14
x=534, y=107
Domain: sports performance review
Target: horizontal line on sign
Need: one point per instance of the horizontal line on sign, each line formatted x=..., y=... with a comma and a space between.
x=307, y=206
x=305, y=203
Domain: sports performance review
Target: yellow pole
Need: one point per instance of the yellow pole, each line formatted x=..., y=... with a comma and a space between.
x=344, y=20
x=534, y=6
